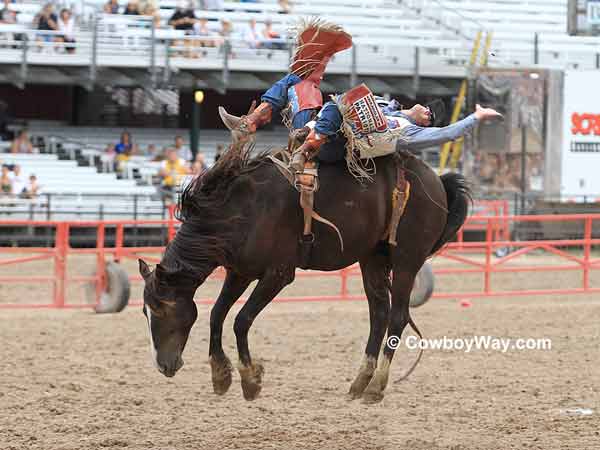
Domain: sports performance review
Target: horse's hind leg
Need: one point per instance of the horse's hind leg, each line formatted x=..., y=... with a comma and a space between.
x=267, y=288
x=233, y=287
x=402, y=283
x=375, y=273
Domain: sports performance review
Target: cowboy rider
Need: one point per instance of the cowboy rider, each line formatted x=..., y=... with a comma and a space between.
x=299, y=98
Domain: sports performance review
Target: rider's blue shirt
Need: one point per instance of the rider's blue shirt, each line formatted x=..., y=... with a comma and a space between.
x=329, y=122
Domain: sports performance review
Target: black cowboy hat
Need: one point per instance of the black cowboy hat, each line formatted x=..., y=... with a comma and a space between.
x=438, y=112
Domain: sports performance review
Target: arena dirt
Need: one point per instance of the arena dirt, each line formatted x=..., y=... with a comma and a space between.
x=74, y=380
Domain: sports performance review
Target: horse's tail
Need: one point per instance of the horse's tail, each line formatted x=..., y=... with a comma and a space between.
x=459, y=197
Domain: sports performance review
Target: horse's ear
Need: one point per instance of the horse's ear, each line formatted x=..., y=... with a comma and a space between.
x=144, y=269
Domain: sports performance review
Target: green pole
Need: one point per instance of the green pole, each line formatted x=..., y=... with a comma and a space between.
x=194, y=125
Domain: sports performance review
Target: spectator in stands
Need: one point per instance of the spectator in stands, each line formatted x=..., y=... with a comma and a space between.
x=8, y=16
x=5, y=10
x=226, y=29
x=150, y=9
x=21, y=144
x=46, y=20
x=151, y=151
x=183, y=151
x=271, y=39
x=111, y=7
x=173, y=170
x=201, y=29
x=252, y=36
x=66, y=25
x=199, y=165
x=123, y=150
x=184, y=19
x=132, y=8
x=5, y=181
x=285, y=6
x=32, y=189
x=124, y=146
x=19, y=183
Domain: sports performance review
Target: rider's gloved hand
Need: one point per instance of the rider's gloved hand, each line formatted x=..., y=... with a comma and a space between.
x=486, y=113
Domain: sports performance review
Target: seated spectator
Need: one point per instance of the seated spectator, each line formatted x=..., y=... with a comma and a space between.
x=252, y=36
x=173, y=170
x=124, y=146
x=66, y=25
x=151, y=151
x=6, y=10
x=183, y=151
x=226, y=33
x=226, y=30
x=150, y=9
x=199, y=165
x=32, y=189
x=8, y=16
x=111, y=7
x=19, y=183
x=285, y=6
x=271, y=37
x=132, y=8
x=201, y=29
x=123, y=151
x=5, y=181
x=21, y=144
x=184, y=19
x=46, y=20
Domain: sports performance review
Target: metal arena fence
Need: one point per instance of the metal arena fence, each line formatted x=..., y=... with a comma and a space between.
x=496, y=254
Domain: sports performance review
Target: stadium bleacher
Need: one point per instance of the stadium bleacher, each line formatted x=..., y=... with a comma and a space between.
x=386, y=34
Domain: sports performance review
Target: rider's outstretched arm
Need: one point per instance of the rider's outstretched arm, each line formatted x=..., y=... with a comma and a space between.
x=416, y=137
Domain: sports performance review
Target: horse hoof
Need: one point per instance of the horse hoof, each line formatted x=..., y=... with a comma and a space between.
x=221, y=375
x=359, y=385
x=370, y=398
x=374, y=391
x=251, y=380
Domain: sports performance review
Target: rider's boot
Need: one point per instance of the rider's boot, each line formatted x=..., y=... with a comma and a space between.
x=307, y=151
x=243, y=128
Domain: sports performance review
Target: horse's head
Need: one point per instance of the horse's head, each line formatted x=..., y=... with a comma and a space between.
x=170, y=310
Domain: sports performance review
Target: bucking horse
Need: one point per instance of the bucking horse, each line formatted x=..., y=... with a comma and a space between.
x=243, y=215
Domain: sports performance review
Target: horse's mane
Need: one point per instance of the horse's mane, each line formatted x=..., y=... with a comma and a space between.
x=208, y=231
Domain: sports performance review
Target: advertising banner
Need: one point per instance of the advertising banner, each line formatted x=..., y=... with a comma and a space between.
x=580, y=174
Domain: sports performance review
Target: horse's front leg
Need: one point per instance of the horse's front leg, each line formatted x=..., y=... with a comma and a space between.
x=375, y=271
x=233, y=287
x=273, y=281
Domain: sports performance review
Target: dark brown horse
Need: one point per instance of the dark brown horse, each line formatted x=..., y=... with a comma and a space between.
x=244, y=215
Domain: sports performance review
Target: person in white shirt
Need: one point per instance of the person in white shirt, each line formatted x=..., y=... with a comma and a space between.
x=183, y=151
x=252, y=36
x=19, y=183
x=32, y=189
x=66, y=25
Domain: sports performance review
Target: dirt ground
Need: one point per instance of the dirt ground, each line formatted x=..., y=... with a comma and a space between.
x=74, y=380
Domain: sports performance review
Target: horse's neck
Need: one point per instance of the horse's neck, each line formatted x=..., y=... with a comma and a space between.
x=194, y=254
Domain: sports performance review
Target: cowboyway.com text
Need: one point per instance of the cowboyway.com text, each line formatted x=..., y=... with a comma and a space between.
x=472, y=343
